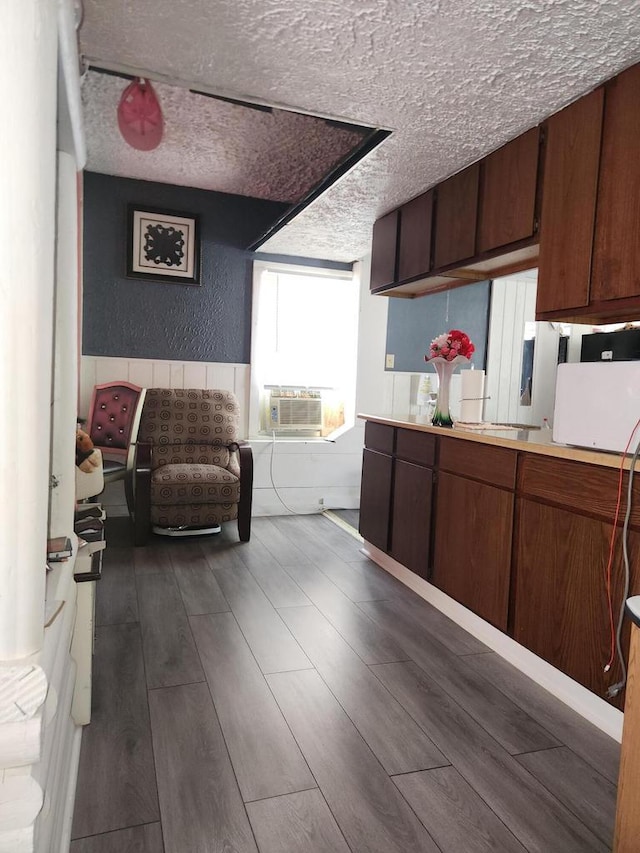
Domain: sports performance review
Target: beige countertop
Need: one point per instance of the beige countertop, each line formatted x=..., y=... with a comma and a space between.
x=531, y=440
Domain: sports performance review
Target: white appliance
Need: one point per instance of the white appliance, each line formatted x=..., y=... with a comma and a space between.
x=597, y=404
x=293, y=413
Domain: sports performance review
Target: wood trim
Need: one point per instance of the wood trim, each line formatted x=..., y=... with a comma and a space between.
x=627, y=828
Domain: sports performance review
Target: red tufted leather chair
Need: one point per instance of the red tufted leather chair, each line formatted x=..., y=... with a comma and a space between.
x=113, y=422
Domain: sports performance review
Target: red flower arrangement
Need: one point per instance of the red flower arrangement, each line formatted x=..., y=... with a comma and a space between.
x=450, y=344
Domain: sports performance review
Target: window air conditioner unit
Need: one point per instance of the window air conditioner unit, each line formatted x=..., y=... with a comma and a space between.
x=294, y=413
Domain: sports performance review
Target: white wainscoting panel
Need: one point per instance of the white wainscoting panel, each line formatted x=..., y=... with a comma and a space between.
x=151, y=373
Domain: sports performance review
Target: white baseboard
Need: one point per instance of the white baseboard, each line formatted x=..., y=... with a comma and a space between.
x=70, y=798
x=577, y=697
x=303, y=499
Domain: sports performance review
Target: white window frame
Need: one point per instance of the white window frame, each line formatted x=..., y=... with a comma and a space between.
x=259, y=267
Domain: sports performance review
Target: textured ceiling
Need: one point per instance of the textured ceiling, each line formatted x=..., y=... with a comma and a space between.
x=452, y=79
x=213, y=145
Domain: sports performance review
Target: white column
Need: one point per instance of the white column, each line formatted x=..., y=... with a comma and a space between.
x=65, y=375
x=28, y=69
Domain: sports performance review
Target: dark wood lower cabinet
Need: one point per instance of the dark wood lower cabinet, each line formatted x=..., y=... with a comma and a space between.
x=520, y=539
x=375, y=498
x=472, y=551
x=560, y=604
x=411, y=516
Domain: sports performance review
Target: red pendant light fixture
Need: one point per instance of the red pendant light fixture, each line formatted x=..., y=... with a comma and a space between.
x=140, y=116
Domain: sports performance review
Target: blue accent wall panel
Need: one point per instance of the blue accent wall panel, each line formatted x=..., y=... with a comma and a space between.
x=135, y=318
x=413, y=323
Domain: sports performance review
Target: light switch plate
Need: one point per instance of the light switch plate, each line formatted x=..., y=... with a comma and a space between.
x=391, y=360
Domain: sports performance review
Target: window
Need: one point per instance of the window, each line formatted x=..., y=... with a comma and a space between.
x=304, y=349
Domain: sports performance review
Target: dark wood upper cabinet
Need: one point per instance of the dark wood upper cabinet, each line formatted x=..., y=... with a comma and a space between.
x=572, y=159
x=384, y=250
x=508, y=185
x=456, y=217
x=414, y=256
x=616, y=256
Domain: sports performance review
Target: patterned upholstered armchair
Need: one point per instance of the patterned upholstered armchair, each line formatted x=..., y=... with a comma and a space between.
x=192, y=473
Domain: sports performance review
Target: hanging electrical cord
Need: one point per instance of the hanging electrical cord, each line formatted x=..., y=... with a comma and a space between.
x=615, y=632
x=614, y=689
x=608, y=570
x=273, y=485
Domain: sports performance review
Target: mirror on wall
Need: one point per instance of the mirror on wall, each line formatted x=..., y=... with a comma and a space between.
x=520, y=355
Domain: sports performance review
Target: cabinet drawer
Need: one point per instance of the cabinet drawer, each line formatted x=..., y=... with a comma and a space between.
x=378, y=437
x=494, y=465
x=414, y=446
x=578, y=486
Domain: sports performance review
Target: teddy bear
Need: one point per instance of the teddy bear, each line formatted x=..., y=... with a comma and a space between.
x=87, y=459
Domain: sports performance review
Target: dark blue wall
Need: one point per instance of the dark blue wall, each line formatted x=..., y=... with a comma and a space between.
x=134, y=318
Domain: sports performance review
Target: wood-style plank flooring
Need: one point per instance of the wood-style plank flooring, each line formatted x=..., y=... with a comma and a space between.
x=286, y=695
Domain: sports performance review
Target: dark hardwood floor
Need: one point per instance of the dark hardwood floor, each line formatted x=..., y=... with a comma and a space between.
x=286, y=695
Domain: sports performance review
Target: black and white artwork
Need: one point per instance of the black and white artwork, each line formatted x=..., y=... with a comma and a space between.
x=163, y=245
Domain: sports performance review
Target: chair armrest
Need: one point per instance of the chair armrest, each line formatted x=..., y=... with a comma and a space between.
x=246, y=491
x=140, y=474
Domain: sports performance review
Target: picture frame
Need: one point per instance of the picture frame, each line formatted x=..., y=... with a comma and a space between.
x=163, y=245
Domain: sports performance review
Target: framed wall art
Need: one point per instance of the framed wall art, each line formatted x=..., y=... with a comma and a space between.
x=163, y=245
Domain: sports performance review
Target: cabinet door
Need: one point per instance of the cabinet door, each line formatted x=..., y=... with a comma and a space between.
x=572, y=158
x=411, y=517
x=456, y=217
x=560, y=606
x=616, y=258
x=472, y=551
x=508, y=183
x=375, y=498
x=414, y=257
x=383, y=251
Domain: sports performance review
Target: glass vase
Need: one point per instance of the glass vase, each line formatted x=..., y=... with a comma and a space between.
x=444, y=369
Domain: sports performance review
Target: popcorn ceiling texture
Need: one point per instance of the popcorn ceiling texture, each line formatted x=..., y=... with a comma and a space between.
x=214, y=145
x=453, y=80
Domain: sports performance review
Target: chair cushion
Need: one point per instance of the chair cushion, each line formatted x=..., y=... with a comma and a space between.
x=193, y=515
x=181, y=484
x=195, y=454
